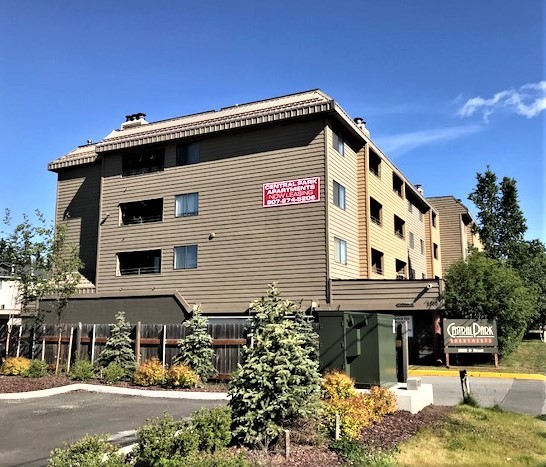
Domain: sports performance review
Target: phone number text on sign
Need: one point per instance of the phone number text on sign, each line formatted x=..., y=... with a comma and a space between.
x=300, y=191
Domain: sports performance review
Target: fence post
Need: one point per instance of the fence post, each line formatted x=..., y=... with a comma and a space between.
x=164, y=343
x=78, y=339
x=69, y=357
x=19, y=340
x=137, y=343
x=43, y=341
x=93, y=343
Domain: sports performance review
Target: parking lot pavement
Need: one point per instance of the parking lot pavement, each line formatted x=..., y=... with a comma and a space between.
x=30, y=429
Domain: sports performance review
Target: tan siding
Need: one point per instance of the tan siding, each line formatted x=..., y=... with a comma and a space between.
x=382, y=237
x=416, y=224
x=452, y=232
x=343, y=223
x=253, y=246
x=78, y=199
x=363, y=214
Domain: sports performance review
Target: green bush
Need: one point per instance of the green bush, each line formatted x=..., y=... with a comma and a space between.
x=358, y=455
x=212, y=427
x=164, y=438
x=196, y=348
x=221, y=458
x=90, y=451
x=113, y=373
x=278, y=380
x=82, y=370
x=119, y=346
x=37, y=369
x=181, y=376
x=150, y=373
x=15, y=366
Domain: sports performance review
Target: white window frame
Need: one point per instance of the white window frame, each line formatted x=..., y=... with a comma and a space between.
x=185, y=263
x=338, y=143
x=340, y=199
x=340, y=250
x=181, y=201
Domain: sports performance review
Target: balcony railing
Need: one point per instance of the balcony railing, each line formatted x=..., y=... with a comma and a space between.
x=375, y=220
x=139, y=271
x=142, y=219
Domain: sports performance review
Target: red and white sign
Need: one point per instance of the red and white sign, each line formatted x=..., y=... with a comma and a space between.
x=300, y=191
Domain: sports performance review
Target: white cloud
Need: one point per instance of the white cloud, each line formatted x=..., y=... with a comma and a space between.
x=396, y=145
x=529, y=101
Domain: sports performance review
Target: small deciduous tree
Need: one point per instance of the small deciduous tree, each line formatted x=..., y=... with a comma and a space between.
x=119, y=346
x=278, y=380
x=196, y=347
x=484, y=288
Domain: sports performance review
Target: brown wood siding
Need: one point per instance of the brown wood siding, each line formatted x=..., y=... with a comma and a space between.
x=451, y=231
x=384, y=295
x=343, y=224
x=382, y=238
x=253, y=246
x=78, y=199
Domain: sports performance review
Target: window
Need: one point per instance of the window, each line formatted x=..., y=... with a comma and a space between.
x=410, y=206
x=433, y=219
x=399, y=225
x=187, y=154
x=422, y=247
x=377, y=261
x=139, y=262
x=397, y=184
x=143, y=162
x=187, y=204
x=400, y=269
x=411, y=240
x=185, y=257
x=141, y=212
x=338, y=143
x=340, y=250
x=339, y=195
x=435, y=248
x=421, y=216
x=375, y=163
x=412, y=274
x=375, y=211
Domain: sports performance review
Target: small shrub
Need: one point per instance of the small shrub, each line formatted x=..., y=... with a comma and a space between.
x=164, y=438
x=37, y=369
x=384, y=401
x=354, y=412
x=351, y=451
x=82, y=370
x=150, y=373
x=471, y=400
x=15, y=366
x=91, y=451
x=337, y=384
x=119, y=346
x=113, y=373
x=212, y=427
x=181, y=376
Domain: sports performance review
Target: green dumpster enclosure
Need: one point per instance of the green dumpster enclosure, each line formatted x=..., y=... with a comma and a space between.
x=361, y=344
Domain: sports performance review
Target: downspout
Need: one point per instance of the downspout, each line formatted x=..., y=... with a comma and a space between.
x=326, y=218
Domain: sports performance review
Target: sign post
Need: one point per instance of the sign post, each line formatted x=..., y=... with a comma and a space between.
x=470, y=336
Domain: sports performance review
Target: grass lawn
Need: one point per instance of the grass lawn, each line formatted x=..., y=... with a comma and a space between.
x=478, y=436
x=530, y=357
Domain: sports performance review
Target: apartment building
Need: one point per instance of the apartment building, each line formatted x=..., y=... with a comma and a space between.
x=457, y=233
x=210, y=208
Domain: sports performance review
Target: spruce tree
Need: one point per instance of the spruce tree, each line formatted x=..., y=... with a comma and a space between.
x=119, y=346
x=278, y=380
x=196, y=347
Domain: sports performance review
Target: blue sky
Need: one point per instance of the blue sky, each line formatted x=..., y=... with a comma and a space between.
x=446, y=87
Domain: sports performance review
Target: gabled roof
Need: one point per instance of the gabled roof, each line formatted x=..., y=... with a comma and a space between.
x=236, y=116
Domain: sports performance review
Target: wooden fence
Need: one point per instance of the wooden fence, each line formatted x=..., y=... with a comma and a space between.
x=80, y=340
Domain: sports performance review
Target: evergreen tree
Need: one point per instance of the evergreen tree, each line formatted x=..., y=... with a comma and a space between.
x=512, y=224
x=278, y=380
x=119, y=346
x=196, y=348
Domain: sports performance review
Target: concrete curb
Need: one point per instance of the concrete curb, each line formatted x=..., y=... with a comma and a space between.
x=170, y=394
x=479, y=374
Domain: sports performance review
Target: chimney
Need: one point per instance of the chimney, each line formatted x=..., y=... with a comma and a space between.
x=420, y=189
x=361, y=125
x=134, y=120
